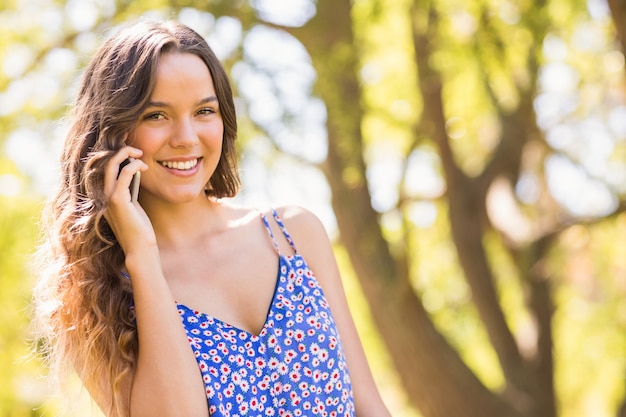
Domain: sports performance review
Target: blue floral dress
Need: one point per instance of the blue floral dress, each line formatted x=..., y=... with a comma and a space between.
x=294, y=367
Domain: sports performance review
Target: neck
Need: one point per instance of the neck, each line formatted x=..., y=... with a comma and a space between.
x=183, y=224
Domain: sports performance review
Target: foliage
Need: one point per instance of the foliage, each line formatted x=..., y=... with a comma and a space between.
x=543, y=76
x=22, y=390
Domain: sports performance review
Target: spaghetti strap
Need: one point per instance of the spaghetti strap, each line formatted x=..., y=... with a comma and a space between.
x=284, y=230
x=269, y=232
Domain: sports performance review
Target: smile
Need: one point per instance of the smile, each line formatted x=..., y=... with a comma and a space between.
x=180, y=165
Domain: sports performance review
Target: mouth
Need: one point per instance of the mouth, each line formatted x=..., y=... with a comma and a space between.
x=180, y=165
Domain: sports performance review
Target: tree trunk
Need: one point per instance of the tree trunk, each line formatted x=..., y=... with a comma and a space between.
x=437, y=381
x=529, y=385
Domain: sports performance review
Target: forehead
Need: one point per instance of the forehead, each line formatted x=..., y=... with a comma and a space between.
x=182, y=72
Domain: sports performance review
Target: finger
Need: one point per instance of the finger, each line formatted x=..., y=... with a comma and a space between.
x=129, y=167
x=127, y=174
x=112, y=168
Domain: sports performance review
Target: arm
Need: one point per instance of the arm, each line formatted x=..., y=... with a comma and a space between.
x=167, y=380
x=314, y=245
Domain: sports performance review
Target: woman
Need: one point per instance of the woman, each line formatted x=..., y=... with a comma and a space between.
x=265, y=325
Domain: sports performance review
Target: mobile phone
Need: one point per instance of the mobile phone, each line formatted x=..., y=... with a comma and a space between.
x=134, y=183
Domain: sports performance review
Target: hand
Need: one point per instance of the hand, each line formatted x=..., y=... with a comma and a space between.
x=127, y=219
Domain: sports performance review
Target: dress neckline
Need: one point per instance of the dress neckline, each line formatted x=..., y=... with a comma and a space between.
x=283, y=260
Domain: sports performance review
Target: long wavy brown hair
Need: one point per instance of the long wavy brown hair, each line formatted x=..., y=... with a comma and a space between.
x=82, y=302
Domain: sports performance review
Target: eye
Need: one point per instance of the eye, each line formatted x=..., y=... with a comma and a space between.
x=206, y=111
x=154, y=116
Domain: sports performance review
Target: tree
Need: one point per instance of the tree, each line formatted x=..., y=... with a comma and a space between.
x=477, y=80
x=438, y=381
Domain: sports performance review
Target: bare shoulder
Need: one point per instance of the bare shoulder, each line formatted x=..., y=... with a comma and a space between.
x=298, y=216
x=311, y=239
x=304, y=226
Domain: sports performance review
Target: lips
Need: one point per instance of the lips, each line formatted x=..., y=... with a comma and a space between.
x=180, y=165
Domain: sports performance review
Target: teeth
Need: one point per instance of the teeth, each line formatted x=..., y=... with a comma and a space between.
x=180, y=165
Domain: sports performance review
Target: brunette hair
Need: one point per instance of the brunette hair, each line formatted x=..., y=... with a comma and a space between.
x=82, y=302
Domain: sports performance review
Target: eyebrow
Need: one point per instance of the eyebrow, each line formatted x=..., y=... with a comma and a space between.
x=210, y=99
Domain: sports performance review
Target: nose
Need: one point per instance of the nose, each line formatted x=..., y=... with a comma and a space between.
x=184, y=134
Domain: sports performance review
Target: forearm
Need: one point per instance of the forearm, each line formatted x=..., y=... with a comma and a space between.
x=167, y=381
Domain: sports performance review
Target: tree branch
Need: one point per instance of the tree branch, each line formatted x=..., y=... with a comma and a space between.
x=466, y=205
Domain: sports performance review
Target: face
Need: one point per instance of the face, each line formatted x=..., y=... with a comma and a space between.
x=180, y=132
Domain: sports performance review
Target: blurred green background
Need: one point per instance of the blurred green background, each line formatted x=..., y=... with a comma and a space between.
x=468, y=158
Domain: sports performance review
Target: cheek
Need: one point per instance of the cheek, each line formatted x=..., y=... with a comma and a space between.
x=214, y=135
x=138, y=138
x=148, y=140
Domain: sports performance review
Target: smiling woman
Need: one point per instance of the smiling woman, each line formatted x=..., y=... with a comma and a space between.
x=181, y=303
x=180, y=132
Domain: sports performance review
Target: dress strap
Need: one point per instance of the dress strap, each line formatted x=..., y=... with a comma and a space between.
x=269, y=232
x=282, y=228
